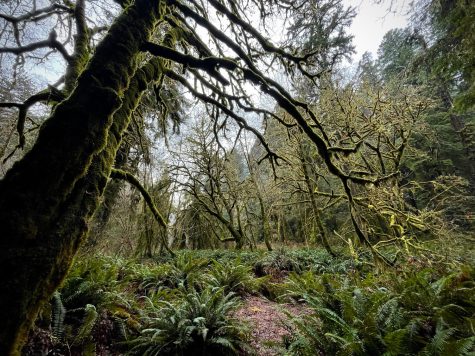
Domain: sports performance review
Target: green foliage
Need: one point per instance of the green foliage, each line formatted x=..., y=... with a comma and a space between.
x=89, y=309
x=299, y=285
x=396, y=52
x=224, y=256
x=186, y=269
x=452, y=53
x=162, y=276
x=415, y=314
x=183, y=270
x=185, y=306
x=88, y=323
x=317, y=260
x=233, y=277
x=275, y=262
x=199, y=324
x=58, y=312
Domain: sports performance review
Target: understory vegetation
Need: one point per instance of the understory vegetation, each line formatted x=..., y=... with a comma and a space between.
x=223, y=177
x=185, y=305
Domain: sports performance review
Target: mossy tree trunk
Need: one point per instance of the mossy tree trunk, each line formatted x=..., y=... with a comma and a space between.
x=47, y=198
x=109, y=199
x=316, y=212
x=265, y=226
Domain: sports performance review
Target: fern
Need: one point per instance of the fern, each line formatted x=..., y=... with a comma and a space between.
x=437, y=345
x=199, y=324
x=464, y=346
x=397, y=342
x=183, y=271
x=58, y=314
x=90, y=318
x=233, y=277
x=298, y=285
x=390, y=316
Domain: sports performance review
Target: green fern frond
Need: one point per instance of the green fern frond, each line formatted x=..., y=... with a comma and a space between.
x=464, y=346
x=90, y=318
x=440, y=340
x=199, y=321
x=397, y=342
x=58, y=314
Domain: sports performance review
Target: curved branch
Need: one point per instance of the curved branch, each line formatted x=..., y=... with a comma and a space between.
x=81, y=47
x=51, y=42
x=121, y=174
x=266, y=44
x=209, y=64
x=43, y=96
x=131, y=179
x=240, y=120
x=55, y=8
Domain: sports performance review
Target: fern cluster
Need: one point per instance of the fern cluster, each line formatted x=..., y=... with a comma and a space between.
x=233, y=277
x=85, y=314
x=185, y=306
x=416, y=314
x=198, y=324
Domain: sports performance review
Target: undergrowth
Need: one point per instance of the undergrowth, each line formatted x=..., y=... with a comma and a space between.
x=186, y=305
x=416, y=313
x=199, y=323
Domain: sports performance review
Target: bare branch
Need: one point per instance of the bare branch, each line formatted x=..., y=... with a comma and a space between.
x=50, y=94
x=51, y=42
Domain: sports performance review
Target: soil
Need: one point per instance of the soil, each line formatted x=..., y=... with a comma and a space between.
x=269, y=324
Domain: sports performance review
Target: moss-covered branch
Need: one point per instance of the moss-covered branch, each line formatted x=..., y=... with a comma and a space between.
x=48, y=95
x=44, y=222
x=209, y=64
x=51, y=42
x=128, y=177
x=81, y=47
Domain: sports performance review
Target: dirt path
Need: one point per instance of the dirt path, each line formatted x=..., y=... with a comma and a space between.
x=266, y=321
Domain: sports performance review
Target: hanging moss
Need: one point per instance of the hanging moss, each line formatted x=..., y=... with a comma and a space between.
x=121, y=174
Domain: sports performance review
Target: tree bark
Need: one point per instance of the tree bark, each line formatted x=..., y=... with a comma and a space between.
x=316, y=211
x=265, y=226
x=48, y=198
x=109, y=199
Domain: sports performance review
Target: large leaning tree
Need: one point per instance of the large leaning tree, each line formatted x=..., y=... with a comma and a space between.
x=211, y=49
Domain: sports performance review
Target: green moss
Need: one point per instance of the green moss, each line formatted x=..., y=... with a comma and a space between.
x=48, y=197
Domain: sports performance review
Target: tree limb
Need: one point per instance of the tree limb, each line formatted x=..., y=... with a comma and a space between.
x=131, y=179
x=51, y=42
x=46, y=95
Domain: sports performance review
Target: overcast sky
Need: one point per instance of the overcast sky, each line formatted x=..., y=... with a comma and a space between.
x=373, y=21
x=369, y=26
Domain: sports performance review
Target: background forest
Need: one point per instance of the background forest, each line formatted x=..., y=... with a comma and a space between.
x=255, y=170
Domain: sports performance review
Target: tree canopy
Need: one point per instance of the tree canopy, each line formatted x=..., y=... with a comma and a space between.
x=279, y=145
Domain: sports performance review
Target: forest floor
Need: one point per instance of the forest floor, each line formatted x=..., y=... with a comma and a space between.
x=268, y=322
x=277, y=302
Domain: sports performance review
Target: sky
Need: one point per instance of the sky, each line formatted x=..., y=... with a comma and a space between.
x=368, y=28
x=373, y=21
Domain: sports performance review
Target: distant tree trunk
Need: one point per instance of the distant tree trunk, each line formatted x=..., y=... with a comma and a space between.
x=252, y=238
x=265, y=226
x=316, y=211
x=48, y=198
x=458, y=125
x=237, y=234
x=281, y=227
x=265, y=222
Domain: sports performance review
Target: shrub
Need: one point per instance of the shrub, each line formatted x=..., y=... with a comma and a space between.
x=415, y=315
x=233, y=277
x=199, y=324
